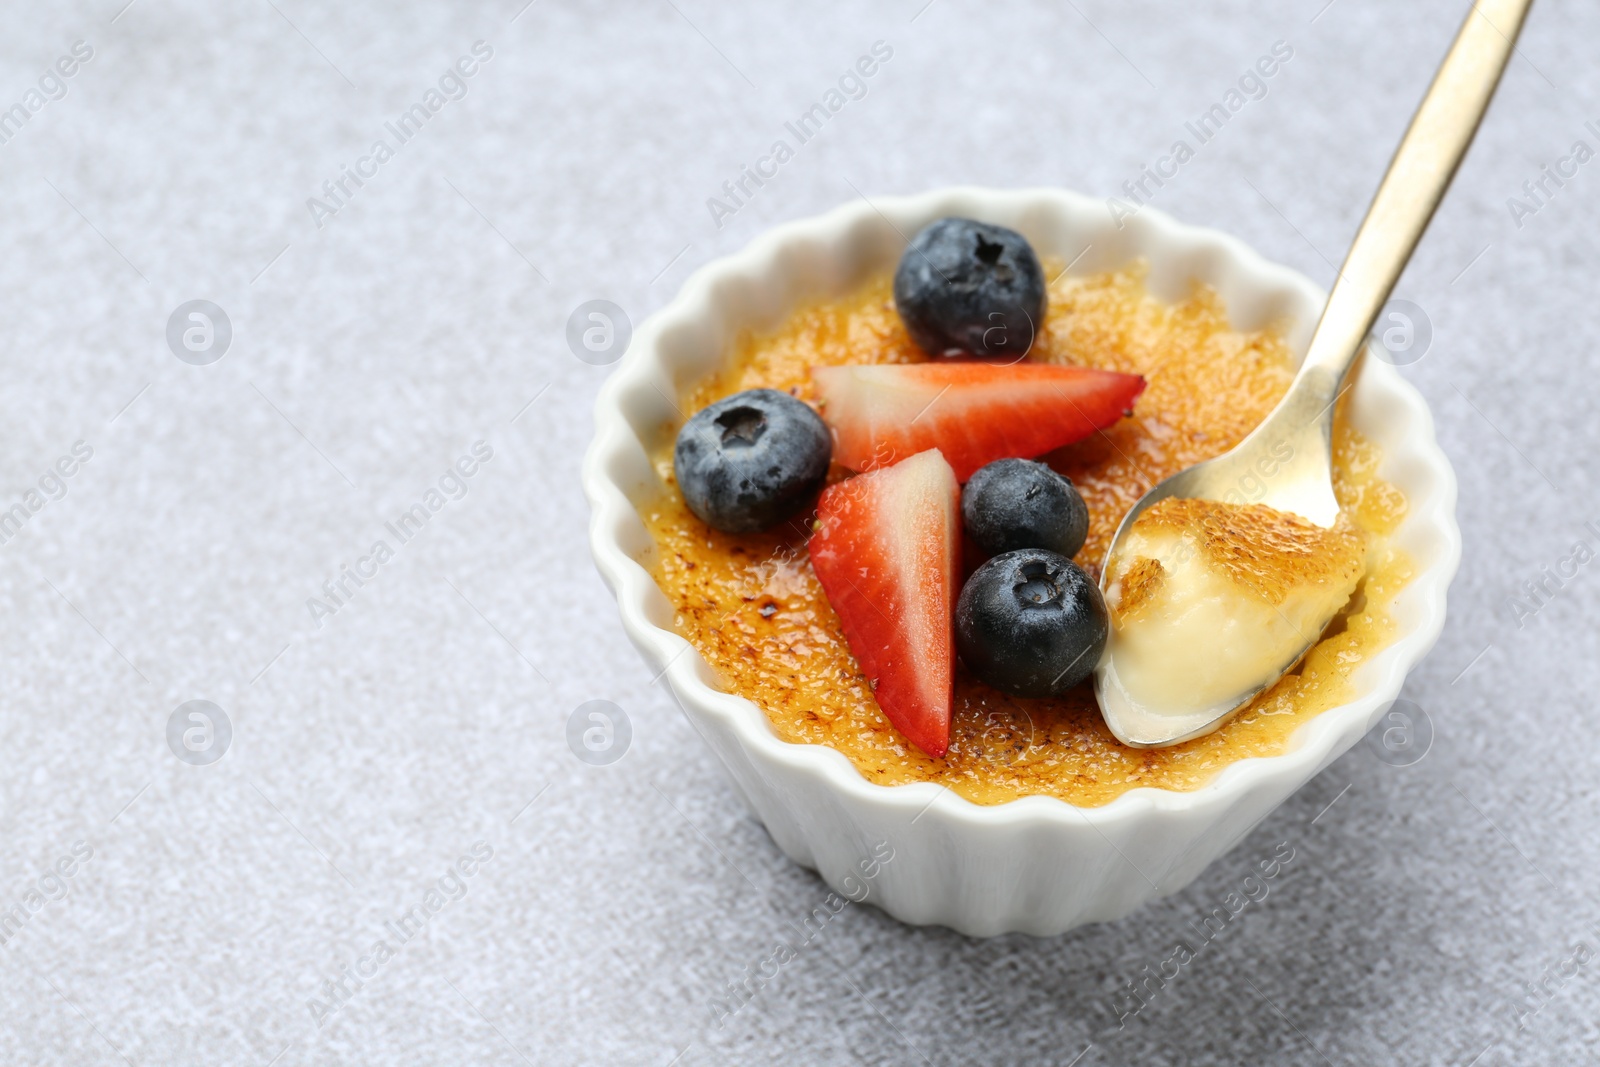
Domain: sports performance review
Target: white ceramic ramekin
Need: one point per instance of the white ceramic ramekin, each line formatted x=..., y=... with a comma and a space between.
x=1036, y=865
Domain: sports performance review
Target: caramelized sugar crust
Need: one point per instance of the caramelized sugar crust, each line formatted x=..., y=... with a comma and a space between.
x=1267, y=552
x=1140, y=584
x=753, y=608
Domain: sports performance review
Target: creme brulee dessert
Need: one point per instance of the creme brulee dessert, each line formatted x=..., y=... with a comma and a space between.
x=753, y=605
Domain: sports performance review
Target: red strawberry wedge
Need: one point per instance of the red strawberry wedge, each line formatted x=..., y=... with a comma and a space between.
x=975, y=413
x=886, y=550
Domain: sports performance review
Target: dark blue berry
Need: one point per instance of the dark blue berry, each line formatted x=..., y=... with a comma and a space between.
x=751, y=459
x=1020, y=503
x=970, y=288
x=1031, y=623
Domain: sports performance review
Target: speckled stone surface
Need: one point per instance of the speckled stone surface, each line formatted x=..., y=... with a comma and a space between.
x=402, y=753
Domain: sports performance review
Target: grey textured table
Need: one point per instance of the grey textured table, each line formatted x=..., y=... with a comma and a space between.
x=158, y=910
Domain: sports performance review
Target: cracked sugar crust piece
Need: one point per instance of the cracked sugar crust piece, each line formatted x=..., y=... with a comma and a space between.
x=1268, y=553
x=1137, y=587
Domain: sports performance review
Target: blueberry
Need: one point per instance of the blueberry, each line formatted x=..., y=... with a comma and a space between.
x=751, y=459
x=969, y=288
x=1031, y=623
x=1021, y=503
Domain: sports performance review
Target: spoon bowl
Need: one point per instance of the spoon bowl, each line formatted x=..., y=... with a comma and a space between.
x=1286, y=463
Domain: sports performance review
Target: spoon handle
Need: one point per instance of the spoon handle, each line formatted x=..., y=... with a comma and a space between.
x=1418, y=176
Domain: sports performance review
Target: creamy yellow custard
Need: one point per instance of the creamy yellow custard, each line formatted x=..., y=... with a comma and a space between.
x=753, y=608
x=1207, y=599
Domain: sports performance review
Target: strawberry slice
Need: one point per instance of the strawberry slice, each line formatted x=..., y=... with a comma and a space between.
x=886, y=552
x=974, y=413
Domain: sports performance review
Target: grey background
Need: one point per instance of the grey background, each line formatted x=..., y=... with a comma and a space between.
x=370, y=752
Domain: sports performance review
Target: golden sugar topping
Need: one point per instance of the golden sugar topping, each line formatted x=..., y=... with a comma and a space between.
x=1268, y=553
x=753, y=608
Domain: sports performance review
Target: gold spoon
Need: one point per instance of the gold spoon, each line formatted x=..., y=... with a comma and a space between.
x=1418, y=176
